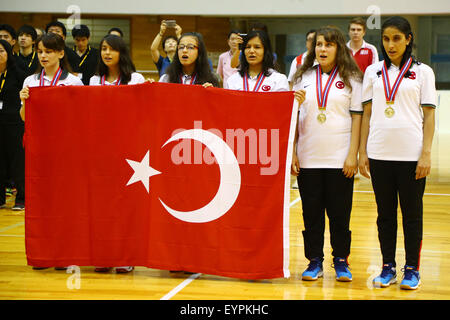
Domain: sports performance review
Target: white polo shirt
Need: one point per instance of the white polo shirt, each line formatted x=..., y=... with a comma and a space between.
x=66, y=79
x=186, y=79
x=274, y=82
x=399, y=138
x=326, y=145
x=136, y=78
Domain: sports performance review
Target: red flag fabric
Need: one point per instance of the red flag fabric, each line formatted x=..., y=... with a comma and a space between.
x=166, y=176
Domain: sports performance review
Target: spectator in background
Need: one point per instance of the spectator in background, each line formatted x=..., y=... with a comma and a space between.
x=12, y=154
x=364, y=53
x=60, y=29
x=9, y=34
x=40, y=32
x=224, y=69
x=116, y=31
x=27, y=37
x=298, y=61
x=169, y=45
x=87, y=55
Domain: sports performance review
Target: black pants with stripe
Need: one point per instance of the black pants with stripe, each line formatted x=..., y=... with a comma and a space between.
x=326, y=190
x=393, y=181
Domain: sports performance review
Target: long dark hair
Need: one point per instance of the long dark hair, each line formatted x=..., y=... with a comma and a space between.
x=55, y=42
x=126, y=65
x=404, y=27
x=202, y=68
x=267, y=62
x=346, y=65
x=11, y=62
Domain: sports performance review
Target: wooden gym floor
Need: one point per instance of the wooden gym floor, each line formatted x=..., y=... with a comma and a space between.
x=19, y=281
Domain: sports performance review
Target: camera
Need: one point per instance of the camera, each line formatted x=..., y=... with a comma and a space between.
x=242, y=35
x=170, y=23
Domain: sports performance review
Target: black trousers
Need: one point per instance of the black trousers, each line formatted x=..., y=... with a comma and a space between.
x=393, y=181
x=12, y=160
x=326, y=190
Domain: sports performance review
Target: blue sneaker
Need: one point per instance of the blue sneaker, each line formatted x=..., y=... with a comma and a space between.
x=343, y=273
x=411, y=278
x=387, y=277
x=314, y=270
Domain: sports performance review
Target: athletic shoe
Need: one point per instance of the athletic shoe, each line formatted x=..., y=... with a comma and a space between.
x=387, y=277
x=343, y=273
x=314, y=270
x=18, y=207
x=124, y=269
x=411, y=278
x=102, y=269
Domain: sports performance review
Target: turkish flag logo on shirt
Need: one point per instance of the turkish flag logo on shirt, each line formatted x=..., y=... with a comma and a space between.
x=198, y=182
x=340, y=85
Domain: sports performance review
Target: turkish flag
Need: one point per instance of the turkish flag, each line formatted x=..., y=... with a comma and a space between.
x=166, y=176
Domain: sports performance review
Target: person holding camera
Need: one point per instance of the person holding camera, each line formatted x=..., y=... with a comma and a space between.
x=224, y=69
x=169, y=45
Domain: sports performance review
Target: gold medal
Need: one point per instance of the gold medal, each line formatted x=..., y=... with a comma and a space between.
x=321, y=117
x=389, y=112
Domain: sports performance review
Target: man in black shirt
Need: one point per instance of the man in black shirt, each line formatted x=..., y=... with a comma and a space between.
x=12, y=154
x=27, y=37
x=60, y=29
x=87, y=55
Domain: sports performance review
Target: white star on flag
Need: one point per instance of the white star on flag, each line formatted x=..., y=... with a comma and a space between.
x=142, y=171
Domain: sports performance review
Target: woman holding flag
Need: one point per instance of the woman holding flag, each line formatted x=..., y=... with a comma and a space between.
x=256, y=71
x=115, y=68
x=326, y=147
x=397, y=131
x=54, y=68
x=115, y=65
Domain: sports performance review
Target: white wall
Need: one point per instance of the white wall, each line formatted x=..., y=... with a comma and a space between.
x=231, y=7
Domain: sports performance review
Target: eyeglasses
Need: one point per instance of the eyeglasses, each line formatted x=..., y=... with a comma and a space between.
x=188, y=47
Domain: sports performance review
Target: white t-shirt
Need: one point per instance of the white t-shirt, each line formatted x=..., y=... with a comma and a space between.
x=66, y=79
x=326, y=145
x=186, y=79
x=136, y=78
x=274, y=82
x=399, y=138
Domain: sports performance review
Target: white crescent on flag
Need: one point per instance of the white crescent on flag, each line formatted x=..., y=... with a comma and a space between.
x=230, y=178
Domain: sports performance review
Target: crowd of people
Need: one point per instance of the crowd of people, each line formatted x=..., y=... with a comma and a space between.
x=356, y=113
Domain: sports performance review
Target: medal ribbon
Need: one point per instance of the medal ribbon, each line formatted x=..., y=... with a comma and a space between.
x=3, y=77
x=54, y=80
x=193, y=78
x=118, y=81
x=85, y=56
x=322, y=98
x=390, y=93
x=258, y=84
x=32, y=59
